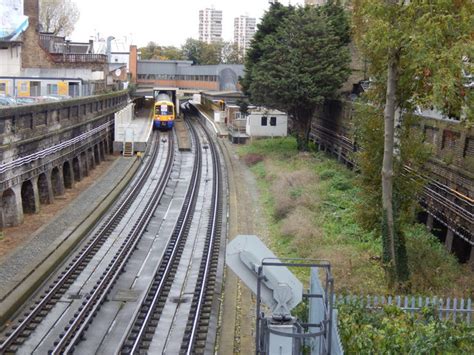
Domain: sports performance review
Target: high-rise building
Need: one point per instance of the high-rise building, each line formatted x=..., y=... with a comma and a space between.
x=315, y=2
x=244, y=29
x=210, y=25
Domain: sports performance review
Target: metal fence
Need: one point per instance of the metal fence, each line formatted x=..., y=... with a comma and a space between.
x=447, y=308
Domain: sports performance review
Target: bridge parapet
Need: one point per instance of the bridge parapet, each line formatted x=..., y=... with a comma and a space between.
x=43, y=125
x=45, y=148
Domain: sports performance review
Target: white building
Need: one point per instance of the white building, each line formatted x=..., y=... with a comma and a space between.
x=210, y=25
x=315, y=2
x=266, y=123
x=244, y=30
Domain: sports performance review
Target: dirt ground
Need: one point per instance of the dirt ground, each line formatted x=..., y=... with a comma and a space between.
x=14, y=237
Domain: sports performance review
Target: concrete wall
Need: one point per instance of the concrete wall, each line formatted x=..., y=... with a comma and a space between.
x=10, y=61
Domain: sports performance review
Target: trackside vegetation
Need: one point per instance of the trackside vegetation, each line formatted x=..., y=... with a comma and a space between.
x=393, y=331
x=311, y=203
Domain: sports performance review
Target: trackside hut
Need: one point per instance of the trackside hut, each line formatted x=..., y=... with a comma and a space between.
x=263, y=122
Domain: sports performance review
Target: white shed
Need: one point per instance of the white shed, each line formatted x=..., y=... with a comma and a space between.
x=267, y=123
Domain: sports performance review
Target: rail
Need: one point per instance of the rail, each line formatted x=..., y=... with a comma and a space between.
x=134, y=340
x=60, y=285
x=211, y=252
x=82, y=318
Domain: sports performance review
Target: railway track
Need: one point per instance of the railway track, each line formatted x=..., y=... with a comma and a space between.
x=169, y=279
x=147, y=322
x=195, y=338
x=45, y=302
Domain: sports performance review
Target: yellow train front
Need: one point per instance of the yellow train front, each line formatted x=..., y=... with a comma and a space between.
x=163, y=112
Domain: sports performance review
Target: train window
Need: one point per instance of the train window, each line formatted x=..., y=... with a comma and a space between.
x=273, y=121
x=52, y=89
x=264, y=120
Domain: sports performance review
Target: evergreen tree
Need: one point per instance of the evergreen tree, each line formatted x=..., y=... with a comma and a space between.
x=296, y=62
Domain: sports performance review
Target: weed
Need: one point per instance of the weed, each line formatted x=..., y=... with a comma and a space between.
x=252, y=159
x=311, y=203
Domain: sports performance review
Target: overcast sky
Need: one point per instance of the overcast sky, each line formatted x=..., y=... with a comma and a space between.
x=168, y=22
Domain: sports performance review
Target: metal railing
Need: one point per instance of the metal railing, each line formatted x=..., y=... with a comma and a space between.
x=51, y=150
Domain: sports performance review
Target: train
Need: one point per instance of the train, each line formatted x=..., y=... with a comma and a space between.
x=164, y=111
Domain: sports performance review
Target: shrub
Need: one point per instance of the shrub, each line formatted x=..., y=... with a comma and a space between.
x=393, y=331
x=252, y=159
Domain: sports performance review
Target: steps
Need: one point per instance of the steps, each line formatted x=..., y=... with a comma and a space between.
x=128, y=149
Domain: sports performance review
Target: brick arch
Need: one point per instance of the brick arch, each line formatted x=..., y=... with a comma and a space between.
x=96, y=153
x=8, y=213
x=76, y=168
x=67, y=175
x=28, y=197
x=228, y=80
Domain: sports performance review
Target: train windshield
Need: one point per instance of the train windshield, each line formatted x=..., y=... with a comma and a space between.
x=164, y=110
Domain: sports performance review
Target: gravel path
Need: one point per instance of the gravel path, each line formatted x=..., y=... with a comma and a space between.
x=237, y=332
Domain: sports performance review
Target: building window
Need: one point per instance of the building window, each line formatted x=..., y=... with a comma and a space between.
x=273, y=121
x=264, y=120
x=52, y=89
x=3, y=88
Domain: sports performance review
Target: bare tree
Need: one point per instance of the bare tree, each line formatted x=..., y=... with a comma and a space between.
x=58, y=16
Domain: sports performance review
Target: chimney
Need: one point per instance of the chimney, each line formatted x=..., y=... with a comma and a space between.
x=31, y=9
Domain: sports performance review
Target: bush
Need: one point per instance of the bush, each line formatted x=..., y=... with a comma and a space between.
x=431, y=266
x=252, y=159
x=393, y=331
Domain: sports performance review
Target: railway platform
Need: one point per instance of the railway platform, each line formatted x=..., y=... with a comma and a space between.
x=218, y=128
x=132, y=130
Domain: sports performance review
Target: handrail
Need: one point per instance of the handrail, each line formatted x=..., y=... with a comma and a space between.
x=51, y=150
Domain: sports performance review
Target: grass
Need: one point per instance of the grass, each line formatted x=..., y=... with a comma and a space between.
x=310, y=202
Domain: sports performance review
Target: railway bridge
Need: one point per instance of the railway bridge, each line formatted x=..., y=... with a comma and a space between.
x=46, y=148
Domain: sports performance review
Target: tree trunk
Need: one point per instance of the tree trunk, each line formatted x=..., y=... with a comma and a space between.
x=303, y=118
x=387, y=166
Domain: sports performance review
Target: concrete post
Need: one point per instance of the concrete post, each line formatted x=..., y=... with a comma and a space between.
x=91, y=158
x=79, y=174
x=58, y=187
x=429, y=222
x=45, y=188
x=71, y=173
x=85, y=164
x=449, y=240
x=36, y=195
x=19, y=206
x=12, y=208
x=102, y=150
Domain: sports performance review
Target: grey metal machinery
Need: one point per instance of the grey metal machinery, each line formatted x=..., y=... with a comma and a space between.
x=280, y=292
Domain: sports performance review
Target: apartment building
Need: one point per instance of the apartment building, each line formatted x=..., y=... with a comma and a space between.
x=210, y=25
x=315, y=2
x=244, y=30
